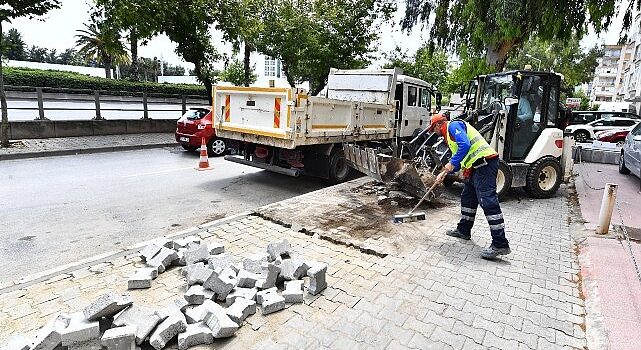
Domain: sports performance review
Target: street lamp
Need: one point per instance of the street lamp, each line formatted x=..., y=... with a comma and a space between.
x=534, y=58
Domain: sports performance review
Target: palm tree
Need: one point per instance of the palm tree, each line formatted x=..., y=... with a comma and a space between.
x=102, y=44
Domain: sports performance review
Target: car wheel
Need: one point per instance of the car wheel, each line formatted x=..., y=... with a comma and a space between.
x=543, y=178
x=620, y=143
x=339, y=170
x=581, y=136
x=188, y=147
x=216, y=147
x=622, y=169
x=503, y=180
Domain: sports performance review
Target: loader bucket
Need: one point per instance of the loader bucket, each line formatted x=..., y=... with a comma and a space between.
x=387, y=169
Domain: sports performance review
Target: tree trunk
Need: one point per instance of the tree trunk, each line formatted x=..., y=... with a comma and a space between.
x=496, y=55
x=205, y=80
x=133, y=41
x=317, y=88
x=246, y=67
x=107, y=62
x=4, y=133
x=290, y=78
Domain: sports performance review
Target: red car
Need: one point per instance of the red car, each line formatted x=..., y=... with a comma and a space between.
x=613, y=136
x=193, y=126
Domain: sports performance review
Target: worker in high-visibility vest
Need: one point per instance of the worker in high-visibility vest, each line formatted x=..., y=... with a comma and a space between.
x=480, y=164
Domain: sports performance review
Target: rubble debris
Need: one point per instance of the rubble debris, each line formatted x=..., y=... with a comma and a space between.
x=195, y=334
x=220, y=261
x=317, y=282
x=272, y=302
x=119, y=338
x=107, y=304
x=255, y=262
x=198, y=275
x=163, y=259
x=240, y=292
x=270, y=273
x=220, y=324
x=293, y=269
x=220, y=284
x=277, y=250
x=142, y=277
x=149, y=251
x=216, y=248
x=17, y=342
x=293, y=292
x=196, y=253
x=167, y=330
x=184, y=242
x=141, y=317
x=241, y=309
x=48, y=337
x=79, y=330
x=197, y=295
x=260, y=296
x=197, y=314
x=247, y=279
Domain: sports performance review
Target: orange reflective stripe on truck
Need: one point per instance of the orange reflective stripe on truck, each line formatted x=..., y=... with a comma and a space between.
x=227, y=108
x=277, y=112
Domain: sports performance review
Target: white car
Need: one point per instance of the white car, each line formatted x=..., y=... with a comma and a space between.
x=586, y=132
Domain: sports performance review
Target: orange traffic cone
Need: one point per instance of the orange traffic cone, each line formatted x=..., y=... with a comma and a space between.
x=204, y=158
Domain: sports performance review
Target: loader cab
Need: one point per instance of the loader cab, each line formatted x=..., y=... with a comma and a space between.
x=414, y=105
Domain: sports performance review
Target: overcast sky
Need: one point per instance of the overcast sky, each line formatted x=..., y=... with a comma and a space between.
x=58, y=27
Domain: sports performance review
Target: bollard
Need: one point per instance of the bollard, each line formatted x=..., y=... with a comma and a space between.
x=567, y=161
x=607, y=205
x=97, y=102
x=41, y=109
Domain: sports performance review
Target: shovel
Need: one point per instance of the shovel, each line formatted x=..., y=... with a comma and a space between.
x=411, y=216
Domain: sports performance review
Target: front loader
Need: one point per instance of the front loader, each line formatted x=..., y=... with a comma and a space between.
x=518, y=113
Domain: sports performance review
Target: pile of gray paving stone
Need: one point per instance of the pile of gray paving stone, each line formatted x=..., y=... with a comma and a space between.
x=221, y=294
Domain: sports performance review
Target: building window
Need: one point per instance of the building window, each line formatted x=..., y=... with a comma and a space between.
x=273, y=67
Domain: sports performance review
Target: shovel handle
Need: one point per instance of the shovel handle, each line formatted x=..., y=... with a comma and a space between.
x=436, y=183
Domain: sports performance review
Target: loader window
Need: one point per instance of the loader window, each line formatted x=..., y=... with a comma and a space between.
x=411, y=95
x=553, y=105
x=529, y=117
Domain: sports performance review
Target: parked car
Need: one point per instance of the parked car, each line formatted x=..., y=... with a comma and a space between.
x=612, y=136
x=195, y=125
x=584, y=117
x=630, y=161
x=586, y=132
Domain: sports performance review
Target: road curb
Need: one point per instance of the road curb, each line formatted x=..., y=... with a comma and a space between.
x=70, y=152
x=32, y=279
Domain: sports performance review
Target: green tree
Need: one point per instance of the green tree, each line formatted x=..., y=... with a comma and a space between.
x=235, y=73
x=14, y=47
x=425, y=64
x=101, y=42
x=170, y=69
x=9, y=10
x=493, y=28
x=337, y=34
x=37, y=54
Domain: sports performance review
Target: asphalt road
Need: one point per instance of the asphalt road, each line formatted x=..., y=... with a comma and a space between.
x=62, y=209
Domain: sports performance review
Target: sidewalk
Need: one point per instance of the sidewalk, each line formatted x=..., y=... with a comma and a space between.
x=429, y=292
x=33, y=148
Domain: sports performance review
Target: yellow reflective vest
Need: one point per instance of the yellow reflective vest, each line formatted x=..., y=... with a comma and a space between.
x=479, y=148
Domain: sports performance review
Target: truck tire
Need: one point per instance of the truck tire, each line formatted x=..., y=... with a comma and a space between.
x=503, y=180
x=543, y=178
x=339, y=170
x=622, y=168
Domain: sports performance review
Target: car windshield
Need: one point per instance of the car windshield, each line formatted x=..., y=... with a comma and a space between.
x=495, y=89
x=195, y=114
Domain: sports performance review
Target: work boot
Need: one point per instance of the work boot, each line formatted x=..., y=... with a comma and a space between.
x=456, y=233
x=493, y=252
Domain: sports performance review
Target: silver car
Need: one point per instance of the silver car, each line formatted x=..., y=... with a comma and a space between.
x=630, y=161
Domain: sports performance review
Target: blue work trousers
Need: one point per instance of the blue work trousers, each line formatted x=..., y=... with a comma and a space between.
x=481, y=189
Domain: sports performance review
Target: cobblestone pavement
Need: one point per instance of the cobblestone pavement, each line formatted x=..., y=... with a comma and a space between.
x=436, y=294
x=87, y=142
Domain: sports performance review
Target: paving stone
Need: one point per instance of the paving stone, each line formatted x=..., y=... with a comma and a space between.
x=195, y=334
x=293, y=292
x=48, y=337
x=141, y=317
x=269, y=276
x=276, y=250
x=317, y=282
x=199, y=275
x=184, y=242
x=220, y=324
x=221, y=285
x=239, y=292
x=87, y=345
x=216, y=248
x=197, y=314
x=17, y=342
x=174, y=308
x=149, y=251
x=271, y=303
x=236, y=267
x=79, y=330
x=163, y=259
x=141, y=278
x=180, y=261
x=247, y=279
x=196, y=253
x=189, y=269
x=260, y=296
x=220, y=261
x=167, y=330
x=119, y=338
x=197, y=295
x=241, y=309
x=107, y=304
x=293, y=269
x=254, y=263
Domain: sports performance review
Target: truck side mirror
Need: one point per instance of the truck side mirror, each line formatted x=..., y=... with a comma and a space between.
x=439, y=99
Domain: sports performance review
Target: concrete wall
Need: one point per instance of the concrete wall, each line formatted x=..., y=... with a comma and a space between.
x=40, y=129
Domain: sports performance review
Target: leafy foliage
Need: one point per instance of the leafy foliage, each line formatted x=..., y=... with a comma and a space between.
x=100, y=42
x=59, y=79
x=430, y=66
x=13, y=47
x=235, y=73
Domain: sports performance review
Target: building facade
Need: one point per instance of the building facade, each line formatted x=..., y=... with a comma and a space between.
x=632, y=70
x=608, y=76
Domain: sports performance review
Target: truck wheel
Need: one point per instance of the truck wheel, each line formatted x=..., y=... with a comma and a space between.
x=338, y=168
x=543, y=178
x=216, y=147
x=503, y=180
x=622, y=168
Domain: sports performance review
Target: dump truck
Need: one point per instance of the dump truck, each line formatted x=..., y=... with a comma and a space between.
x=285, y=130
x=518, y=113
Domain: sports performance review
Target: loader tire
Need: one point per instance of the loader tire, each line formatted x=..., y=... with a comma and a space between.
x=543, y=178
x=503, y=180
x=339, y=170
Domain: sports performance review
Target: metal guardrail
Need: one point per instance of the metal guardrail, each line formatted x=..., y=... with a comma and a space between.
x=97, y=97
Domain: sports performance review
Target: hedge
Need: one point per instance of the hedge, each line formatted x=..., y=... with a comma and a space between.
x=71, y=80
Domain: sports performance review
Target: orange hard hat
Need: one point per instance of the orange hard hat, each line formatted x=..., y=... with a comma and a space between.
x=435, y=120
